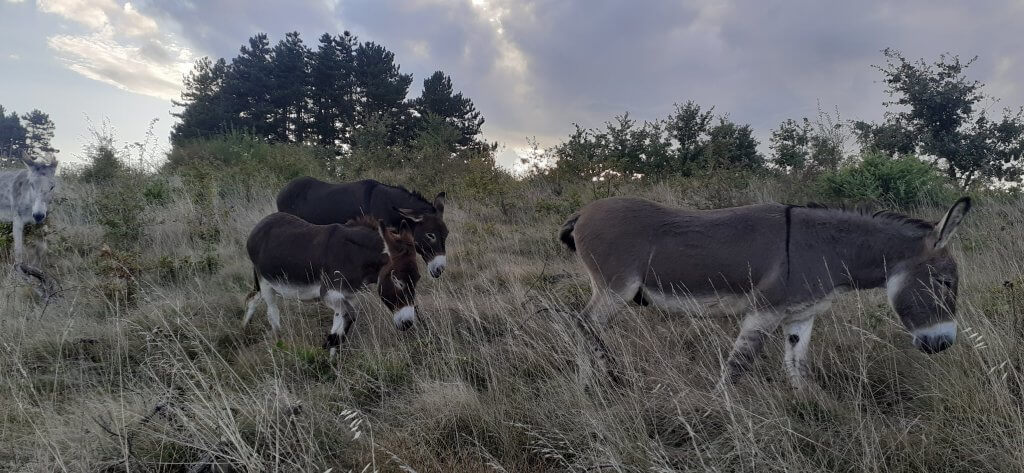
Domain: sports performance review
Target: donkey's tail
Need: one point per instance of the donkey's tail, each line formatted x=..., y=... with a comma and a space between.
x=255, y=282
x=565, y=234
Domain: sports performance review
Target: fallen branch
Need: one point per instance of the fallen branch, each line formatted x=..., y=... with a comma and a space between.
x=46, y=287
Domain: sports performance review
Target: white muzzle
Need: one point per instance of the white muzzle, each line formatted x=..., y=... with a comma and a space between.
x=405, y=317
x=436, y=265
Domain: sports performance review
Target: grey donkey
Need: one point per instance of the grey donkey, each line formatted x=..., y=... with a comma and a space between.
x=780, y=265
x=25, y=196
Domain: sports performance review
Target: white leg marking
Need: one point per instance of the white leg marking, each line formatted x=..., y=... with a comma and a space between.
x=18, y=229
x=250, y=308
x=756, y=326
x=404, y=317
x=273, y=314
x=798, y=339
x=343, y=318
x=437, y=265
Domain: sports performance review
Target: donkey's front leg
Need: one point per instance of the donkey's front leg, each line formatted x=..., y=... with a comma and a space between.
x=797, y=329
x=344, y=315
x=756, y=326
x=18, y=230
x=798, y=338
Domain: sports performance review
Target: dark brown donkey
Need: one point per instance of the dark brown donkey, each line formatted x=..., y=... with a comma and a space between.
x=322, y=203
x=778, y=264
x=300, y=260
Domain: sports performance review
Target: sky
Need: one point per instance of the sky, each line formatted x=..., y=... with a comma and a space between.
x=532, y=67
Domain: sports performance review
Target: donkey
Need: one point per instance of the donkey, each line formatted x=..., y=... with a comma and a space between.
x=778, y=264
x=25, y=196
x=300, y=260
x=322, y=203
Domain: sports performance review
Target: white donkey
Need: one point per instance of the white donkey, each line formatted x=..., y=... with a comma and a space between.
x=25, y=196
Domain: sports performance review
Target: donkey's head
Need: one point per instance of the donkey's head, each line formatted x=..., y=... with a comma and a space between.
x=41, y=183
x=923, y=289
x=396, y=282
x=430, y=233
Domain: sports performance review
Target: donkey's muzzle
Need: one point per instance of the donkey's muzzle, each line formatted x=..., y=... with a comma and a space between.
x=39, y=217
x=935, y=338
x=436, y=265
x=404, y=318
x=933, y=344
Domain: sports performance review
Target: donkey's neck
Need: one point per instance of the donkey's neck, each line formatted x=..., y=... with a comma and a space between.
x=858, y=250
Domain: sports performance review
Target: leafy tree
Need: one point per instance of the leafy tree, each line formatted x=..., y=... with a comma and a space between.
x=688, y=126
x=290, y=88
x=332, y=90
x=939, y=112
x=12, y=137
x=439, y=99
x=204, y=110
x=383, y=89
x=732, y=146
x=892, y=138
x=248, y=86
x=38, y=132
x=802, y=145
x=791, y=143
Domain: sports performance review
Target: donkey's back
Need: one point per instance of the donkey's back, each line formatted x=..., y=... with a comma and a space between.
x=631, y=244
x=322, y=203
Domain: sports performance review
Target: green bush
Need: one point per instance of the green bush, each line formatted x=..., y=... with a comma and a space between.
x=238, y=158
x=878, y=178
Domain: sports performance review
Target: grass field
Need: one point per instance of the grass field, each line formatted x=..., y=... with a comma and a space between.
x=141, y=365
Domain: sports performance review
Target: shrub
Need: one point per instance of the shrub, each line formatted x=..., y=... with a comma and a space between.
x=238, y=158
x=890, y=181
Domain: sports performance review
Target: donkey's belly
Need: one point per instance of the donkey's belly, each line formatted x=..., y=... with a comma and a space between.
x=711, y=304
x=302, y=292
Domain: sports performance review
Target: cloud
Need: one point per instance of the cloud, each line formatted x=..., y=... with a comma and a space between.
x=100, y=58
x=121, y=47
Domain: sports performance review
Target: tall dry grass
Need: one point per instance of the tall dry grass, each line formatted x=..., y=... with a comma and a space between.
x=141, y=364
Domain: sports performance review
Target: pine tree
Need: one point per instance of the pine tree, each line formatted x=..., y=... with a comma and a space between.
x=438, y=98
x=332, y=90
x=204, y=109
x=382, y=89
x=290, y=78
x=12, y=137
x=248, y=85
x=38, y=132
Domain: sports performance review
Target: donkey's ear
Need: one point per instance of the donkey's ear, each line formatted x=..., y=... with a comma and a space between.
x=439, y=202
x=409, y=214
x=404, y=228
x=947, y=226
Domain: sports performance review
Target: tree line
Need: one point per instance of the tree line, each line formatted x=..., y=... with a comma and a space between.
x=352, y=96
x=291, y=93
x=28, y=133
x=936, y=113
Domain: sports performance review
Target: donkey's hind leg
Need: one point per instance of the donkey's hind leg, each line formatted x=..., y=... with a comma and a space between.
x=594, y=317
x=273, y=313
x=251, y=303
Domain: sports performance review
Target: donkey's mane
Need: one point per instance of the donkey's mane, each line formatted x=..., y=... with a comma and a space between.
x=367, y=221
x=414, y=194
x=868, y=212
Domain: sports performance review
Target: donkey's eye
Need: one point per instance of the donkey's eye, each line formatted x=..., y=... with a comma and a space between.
x=431, y=237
